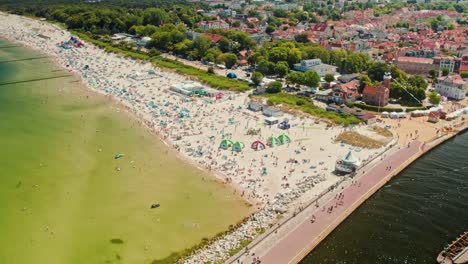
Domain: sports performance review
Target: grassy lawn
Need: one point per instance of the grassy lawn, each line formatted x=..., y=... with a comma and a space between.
x=216, y=81
x=305, y=105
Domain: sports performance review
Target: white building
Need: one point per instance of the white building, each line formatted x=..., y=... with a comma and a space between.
x=315, y=65
x=347, y=164
x=452, y=86
x=214, y=24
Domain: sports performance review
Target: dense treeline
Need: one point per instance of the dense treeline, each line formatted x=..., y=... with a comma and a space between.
x=110, y=17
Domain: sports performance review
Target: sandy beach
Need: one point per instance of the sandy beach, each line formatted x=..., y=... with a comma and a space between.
x=276, y=180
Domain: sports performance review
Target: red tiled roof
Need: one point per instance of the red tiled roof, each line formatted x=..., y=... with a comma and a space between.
x=215, y=38
x=320, y=27
x=457, y=79
x=369, y=90
x=415, y=60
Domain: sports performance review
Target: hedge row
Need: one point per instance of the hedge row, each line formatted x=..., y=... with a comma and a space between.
x=384, y=109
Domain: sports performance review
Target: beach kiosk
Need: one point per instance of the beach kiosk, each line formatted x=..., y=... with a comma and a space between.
x=347, y=164
x=271, y=121
x=258, y=145
x=284, y=139
x=225, y=144
x=238, y=146
x=272, y=142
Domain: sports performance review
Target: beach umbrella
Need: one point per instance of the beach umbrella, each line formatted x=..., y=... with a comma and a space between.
x=258, y=145
x=225, y=144
x=284, y=139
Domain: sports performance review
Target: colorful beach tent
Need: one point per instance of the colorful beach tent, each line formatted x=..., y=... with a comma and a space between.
x=258, y=145
x=226, y=143
x=284, y=139
x=238, y=146
x=272, y=141
x=231, y=75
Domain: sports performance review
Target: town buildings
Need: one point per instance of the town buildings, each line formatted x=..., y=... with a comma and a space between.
x=378, y=95
x=415, y=65
x=345, y=92
x=213, y=24
x=452, y=86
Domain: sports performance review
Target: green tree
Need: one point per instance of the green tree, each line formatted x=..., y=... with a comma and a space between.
x=281, y=69
x=263, y=67
x=278, y=54
x=377, y=70
x=417, y=81
x=257, y=77
x=464, y=74
x=274, y=87
x=213, y=54
x=329, y=78
x=210, y=70
x=201, y=45
x=445, y=71
x=296, y=78
x=270, y=29
x=311, y=79
x=224, y=45
x=434, y=98
x=294, y=56
x=364, y=80
x=302, y=37
x=433, y=73
x=230, y=59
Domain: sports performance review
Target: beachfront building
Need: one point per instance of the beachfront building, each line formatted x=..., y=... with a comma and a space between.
x=452, y=86
x=348, y=164
x=315, y=65
x=272, y=111
x=345, y=92
x=192, y=88
x=378, y=95
x=255, y=106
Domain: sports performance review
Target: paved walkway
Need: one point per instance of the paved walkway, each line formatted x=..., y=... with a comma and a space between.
x=292, y=246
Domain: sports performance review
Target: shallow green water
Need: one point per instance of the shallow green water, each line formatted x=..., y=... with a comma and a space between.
x=62, y=198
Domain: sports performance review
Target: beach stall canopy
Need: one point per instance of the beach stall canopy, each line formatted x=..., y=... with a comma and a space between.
x=272, y=141
x=284, y=139
x=238, y=146
x=226, y=143
x=258, y=145
x=231, y=75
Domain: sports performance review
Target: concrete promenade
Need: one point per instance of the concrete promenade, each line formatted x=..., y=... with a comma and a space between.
x=299, y=242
